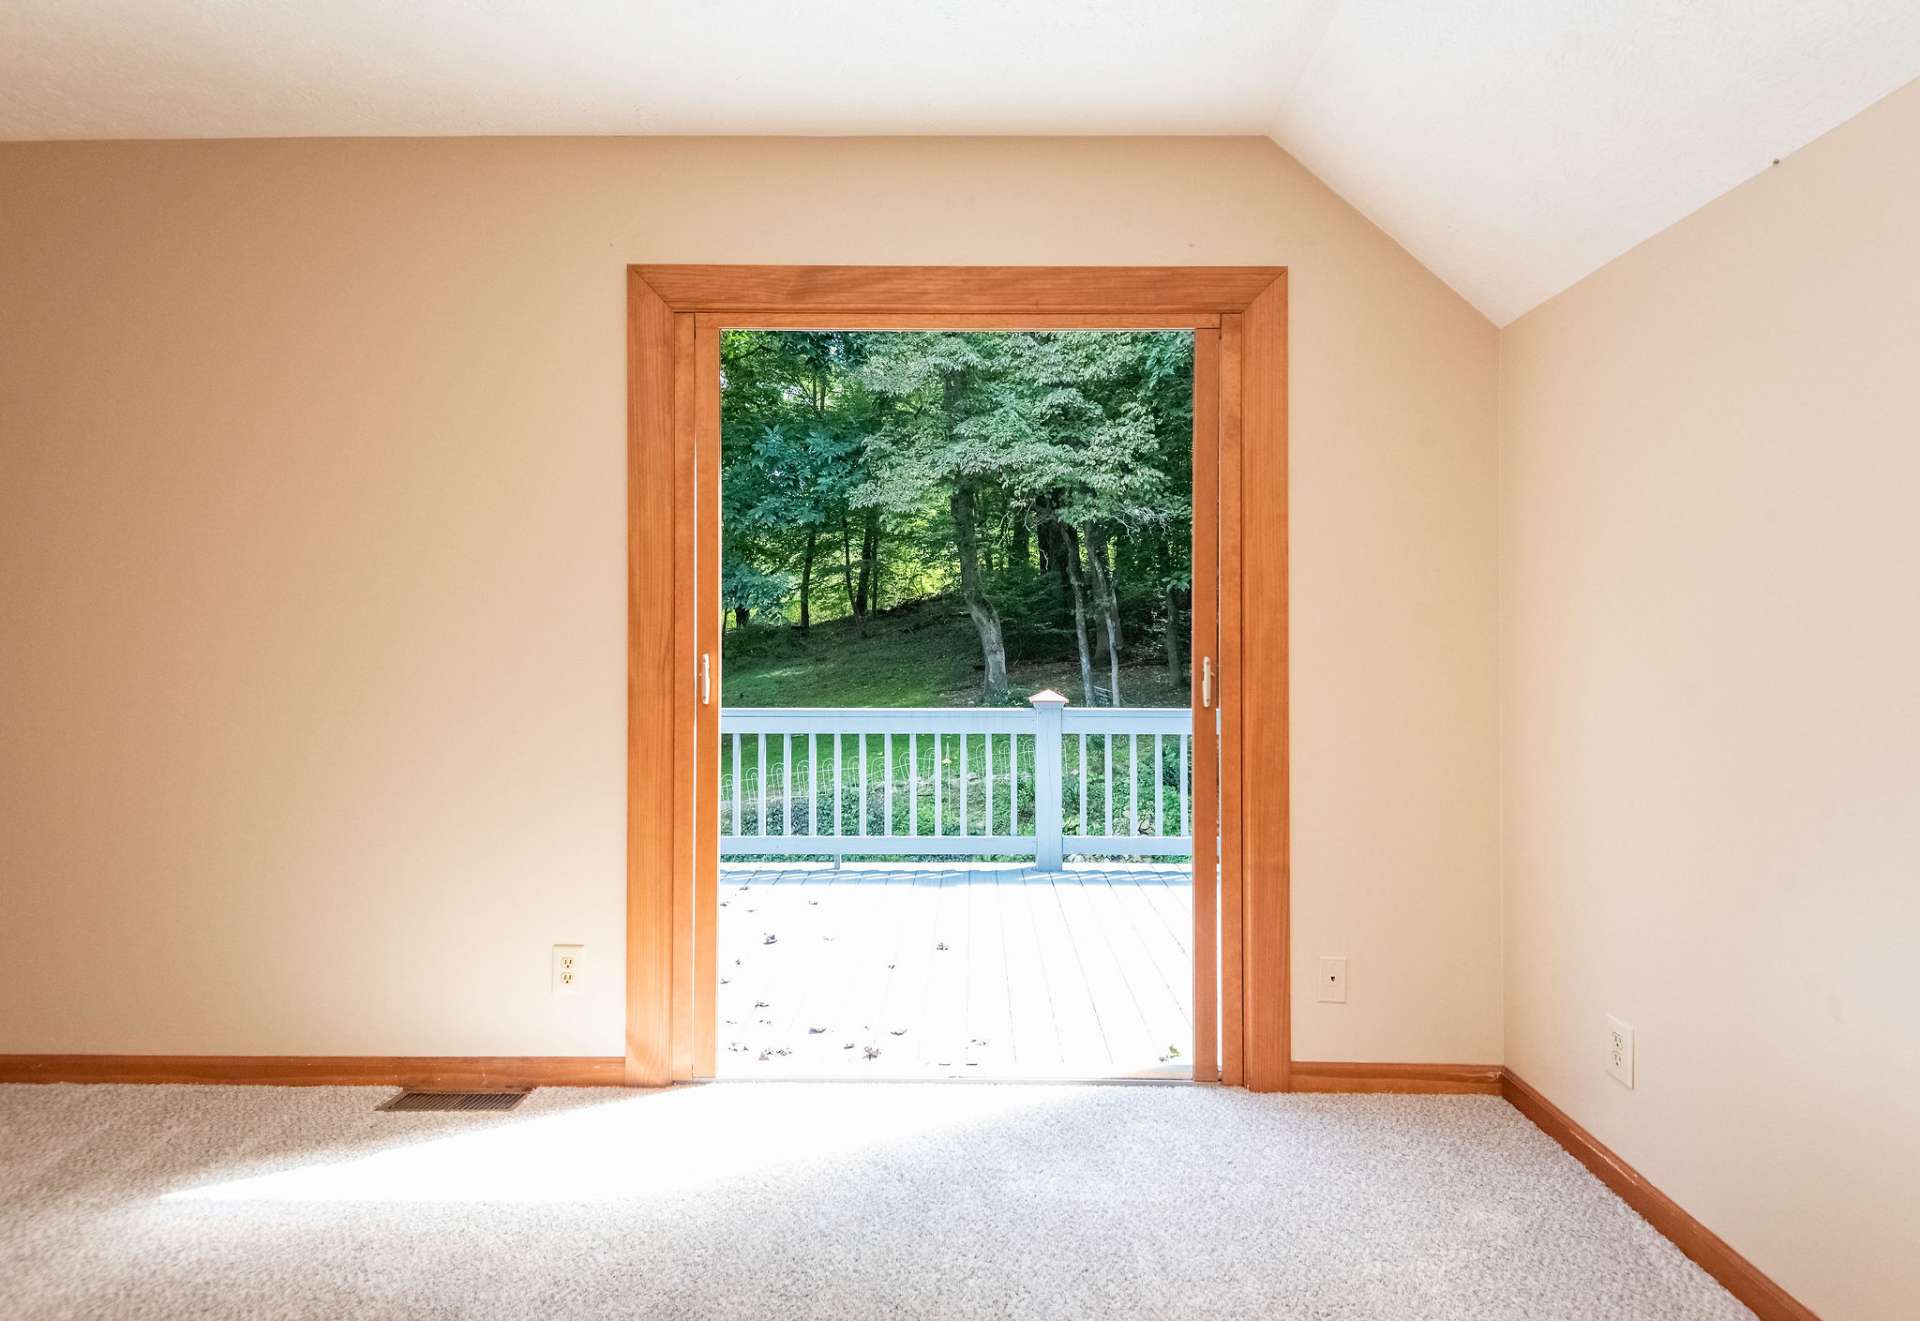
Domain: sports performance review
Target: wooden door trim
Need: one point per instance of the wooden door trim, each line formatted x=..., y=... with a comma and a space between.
x=668, y=311
x=1264, y=671
x=946, y=290
x=656, y=598
x=1203, y=650
x=1233, y=1071
x=704, y=976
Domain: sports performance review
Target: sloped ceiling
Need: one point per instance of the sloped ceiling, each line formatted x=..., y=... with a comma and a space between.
x=1511, y=145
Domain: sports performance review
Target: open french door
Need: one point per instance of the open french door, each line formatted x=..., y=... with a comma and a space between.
x=1217, y=1048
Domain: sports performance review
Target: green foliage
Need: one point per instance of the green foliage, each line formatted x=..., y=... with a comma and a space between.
x=841, y=450
x=746, y=586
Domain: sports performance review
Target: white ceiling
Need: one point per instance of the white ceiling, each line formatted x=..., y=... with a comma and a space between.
x=1511, y=145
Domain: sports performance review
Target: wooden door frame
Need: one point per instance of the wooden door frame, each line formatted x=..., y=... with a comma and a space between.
x=667, y=408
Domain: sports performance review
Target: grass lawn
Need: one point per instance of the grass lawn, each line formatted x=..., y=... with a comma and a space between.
x=922, y=654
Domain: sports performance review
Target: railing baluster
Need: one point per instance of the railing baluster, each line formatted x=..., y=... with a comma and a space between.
x=1083, y=784
x=861, y=816
x=1013, y=784
x=1013, y=780
x=1186, y=826
x=1106, y=769
x=839, y=826
x=786, y=784
x=986, y=793
x=888, y=828
x=1159, y=799
x=738, y=770
x=964, y=740
x=813, y=784
x=1009, y=777
x=1133, y=785
x=1013, y=775
x=760, y=774
x=913, y=784
x=939, y=782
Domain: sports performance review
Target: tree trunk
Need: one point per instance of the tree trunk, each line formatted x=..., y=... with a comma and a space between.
x=1176, y=672
x=855, y=605
x=1021, y=553
x=806, y=582
x=1053, y=550
x=986, y=620
x=1068, y=550
x=1105, y=603
x=869, y=555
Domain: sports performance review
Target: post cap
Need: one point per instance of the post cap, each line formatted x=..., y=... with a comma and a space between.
x=1047, y=697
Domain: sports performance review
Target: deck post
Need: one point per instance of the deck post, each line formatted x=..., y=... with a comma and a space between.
x=1047, y=807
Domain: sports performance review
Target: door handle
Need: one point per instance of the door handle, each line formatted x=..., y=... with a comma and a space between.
x=1206, y=682
x=706, y=678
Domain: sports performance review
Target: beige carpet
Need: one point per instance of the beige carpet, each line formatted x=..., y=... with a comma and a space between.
x=814, y=1200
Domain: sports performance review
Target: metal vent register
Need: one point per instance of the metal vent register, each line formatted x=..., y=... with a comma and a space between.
x=411, y=1100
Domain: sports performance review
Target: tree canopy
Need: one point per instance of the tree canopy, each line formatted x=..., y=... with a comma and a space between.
x=1040, y=480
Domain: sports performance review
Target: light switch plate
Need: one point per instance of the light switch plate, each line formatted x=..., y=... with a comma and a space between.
x=1333, y=980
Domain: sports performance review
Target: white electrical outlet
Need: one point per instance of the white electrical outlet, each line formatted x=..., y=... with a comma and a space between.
x=1620, y=1050
x=1333, y=980
x=568, y=968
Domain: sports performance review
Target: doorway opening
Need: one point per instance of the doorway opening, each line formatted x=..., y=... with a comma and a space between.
x=682, y=768
x=956, y=818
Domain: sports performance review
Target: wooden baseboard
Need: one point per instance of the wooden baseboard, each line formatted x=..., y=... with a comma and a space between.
x=466, y=1073
x=1709, y=1251
x=1332, y=1076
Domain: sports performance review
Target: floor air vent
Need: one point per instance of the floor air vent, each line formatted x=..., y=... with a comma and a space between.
x=454, y=1101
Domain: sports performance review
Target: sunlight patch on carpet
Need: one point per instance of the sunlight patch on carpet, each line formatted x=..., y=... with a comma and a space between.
x=649, y=1146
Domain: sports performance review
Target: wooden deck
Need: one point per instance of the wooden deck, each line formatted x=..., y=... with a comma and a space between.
x=994, y=970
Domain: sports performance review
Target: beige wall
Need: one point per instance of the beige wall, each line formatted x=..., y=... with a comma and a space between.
x=312, y=615
x=1710, y=682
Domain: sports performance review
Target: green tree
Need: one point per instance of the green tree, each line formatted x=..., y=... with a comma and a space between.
x=1092, y=469
x=792, y=446
x=939, y=460
x=950, y=428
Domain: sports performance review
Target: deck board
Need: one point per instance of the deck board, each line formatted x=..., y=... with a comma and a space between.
x=1081, y=973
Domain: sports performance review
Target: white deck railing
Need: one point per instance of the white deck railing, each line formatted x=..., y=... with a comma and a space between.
x=943, y=782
